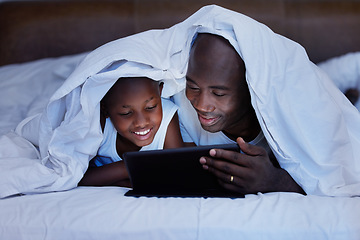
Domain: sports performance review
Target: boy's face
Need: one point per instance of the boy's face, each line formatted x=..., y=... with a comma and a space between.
x=216, y=85
x=135, y=109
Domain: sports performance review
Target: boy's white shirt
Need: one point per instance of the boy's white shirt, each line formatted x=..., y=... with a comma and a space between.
x=311, y=127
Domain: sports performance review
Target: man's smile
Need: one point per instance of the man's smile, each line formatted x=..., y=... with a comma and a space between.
x=208, y=120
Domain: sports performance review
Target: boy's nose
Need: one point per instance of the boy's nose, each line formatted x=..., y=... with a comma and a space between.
x=140, y=121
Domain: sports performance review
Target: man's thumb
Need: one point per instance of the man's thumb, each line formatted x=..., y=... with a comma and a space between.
x=247, y=148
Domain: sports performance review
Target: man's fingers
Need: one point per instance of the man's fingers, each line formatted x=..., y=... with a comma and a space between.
x=228, y=155
x=232, y=187
x=237, y=157
x=224, y=172
x=224, y=169
x=229, y=182
x=211, y=163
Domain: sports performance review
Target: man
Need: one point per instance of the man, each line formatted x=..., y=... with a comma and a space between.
x=217, y=90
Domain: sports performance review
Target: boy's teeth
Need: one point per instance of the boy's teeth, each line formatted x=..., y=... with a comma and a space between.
x=142, y=132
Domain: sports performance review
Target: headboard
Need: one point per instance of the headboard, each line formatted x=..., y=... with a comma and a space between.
x=32, y=30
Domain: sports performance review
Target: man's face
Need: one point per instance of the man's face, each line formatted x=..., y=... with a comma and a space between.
x=216, y=85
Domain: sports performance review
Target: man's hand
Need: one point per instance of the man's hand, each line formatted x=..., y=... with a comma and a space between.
x=248, y=172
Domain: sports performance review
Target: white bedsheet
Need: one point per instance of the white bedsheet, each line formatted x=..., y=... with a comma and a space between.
x=104, y=213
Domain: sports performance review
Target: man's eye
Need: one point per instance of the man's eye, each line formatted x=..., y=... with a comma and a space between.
x=219, y=94
x=192, y=87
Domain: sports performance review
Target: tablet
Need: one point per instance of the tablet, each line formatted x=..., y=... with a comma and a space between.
x=174, y=172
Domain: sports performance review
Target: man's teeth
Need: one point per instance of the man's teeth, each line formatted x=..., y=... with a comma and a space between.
x=143, y=132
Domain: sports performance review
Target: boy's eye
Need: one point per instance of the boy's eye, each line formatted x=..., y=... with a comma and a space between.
x=125, y=113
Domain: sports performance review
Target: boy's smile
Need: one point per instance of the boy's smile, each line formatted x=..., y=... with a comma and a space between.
x=143, y=135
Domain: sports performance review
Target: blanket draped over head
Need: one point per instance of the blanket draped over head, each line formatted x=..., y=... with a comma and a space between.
x=311, y=127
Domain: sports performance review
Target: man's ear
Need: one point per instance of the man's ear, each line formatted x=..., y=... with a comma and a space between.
x=161, y=86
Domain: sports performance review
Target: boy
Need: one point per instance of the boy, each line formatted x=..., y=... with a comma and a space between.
x=133, y=117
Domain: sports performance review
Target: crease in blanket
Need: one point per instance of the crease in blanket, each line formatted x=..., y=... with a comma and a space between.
x=312, y=131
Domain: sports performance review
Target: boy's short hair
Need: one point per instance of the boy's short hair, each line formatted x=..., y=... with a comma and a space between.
x=108, y=95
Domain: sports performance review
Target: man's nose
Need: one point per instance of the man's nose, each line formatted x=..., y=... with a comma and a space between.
x=203, y=103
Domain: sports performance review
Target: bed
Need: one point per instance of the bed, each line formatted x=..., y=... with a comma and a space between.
x=41, y=43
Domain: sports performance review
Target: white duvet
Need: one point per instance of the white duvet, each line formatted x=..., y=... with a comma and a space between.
x=344, y=70
x=309, y=124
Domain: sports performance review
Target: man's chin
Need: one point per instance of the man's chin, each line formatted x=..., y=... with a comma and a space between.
x=212, y=129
